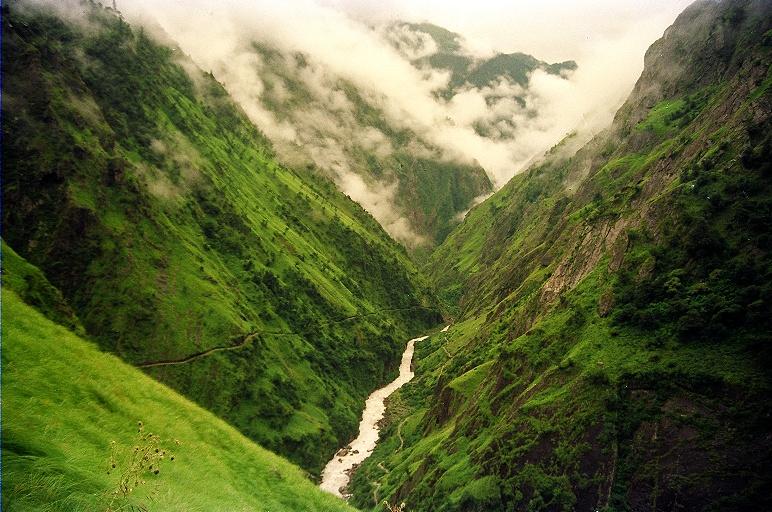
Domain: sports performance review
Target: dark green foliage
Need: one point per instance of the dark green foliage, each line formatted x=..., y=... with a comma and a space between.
x=515, y=66
x=147, y=197
x=29, y=283
x=480, y=73
x=712, y=276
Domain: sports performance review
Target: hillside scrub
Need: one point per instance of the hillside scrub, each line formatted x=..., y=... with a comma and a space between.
x=146, y=196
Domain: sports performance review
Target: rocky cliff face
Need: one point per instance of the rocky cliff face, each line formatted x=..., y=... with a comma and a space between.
x=612, y=307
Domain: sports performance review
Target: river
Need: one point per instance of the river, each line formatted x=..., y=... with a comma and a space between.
x=337, y=472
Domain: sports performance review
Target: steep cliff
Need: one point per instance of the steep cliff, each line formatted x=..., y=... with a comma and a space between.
x=612, y=307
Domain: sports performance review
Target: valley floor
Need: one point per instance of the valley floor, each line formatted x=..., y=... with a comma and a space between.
x=337, y=472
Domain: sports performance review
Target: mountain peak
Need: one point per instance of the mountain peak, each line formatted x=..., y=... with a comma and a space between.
x=446, y=40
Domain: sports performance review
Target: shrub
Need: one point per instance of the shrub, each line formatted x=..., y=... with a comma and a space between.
x=134, y=465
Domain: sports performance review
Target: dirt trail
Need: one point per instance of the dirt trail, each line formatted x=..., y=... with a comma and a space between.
x=198, y=355
x=249, y=337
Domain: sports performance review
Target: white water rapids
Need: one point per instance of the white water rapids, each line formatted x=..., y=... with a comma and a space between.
x=337, y=472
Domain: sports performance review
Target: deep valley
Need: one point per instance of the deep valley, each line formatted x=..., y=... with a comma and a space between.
x=209, y=273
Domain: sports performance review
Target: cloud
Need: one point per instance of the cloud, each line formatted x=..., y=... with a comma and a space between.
x=72, y=11
x=411, y=44
x=345, y=40
x=553, y=30
x=374, y=141
x=380, y=199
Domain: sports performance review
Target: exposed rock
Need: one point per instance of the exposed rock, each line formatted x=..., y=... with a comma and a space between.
x=606, y=303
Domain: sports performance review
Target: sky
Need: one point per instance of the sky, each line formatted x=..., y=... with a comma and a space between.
x=554, y=30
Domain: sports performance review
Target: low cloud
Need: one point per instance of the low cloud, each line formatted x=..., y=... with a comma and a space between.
x=72, y=11
x=347, y=41
x=411, y=44
x=380, y=199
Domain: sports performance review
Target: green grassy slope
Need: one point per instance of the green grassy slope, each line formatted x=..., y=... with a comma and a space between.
x=65, y=403
x=32, y=286
x=613, y=314
x=147, y=197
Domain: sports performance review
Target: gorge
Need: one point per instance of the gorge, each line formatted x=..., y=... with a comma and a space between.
x=221, y=223
x=336, y=473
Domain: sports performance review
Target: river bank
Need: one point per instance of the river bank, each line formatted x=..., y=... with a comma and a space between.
x=337, y=473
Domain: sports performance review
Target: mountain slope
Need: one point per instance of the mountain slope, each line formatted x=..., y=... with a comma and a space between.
x=610, y=346
x=342, y=132
x=467, y=70
x=502, y=81
x=146, y=196
x=405, y=159
x=70, y=412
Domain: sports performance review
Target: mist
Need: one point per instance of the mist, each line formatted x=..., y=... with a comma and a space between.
x=346, y=39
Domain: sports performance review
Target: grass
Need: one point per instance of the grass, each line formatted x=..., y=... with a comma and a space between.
x=65, y=402
x=467, y=383
x=661, y=116
x=30, y=283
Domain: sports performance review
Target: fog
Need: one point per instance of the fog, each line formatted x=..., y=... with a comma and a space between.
x=347, y=39
x=553, y=30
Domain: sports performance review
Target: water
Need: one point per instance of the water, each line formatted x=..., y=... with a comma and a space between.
x=336, y=474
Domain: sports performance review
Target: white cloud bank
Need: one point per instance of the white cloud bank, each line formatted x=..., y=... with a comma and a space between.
x=607, y=38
